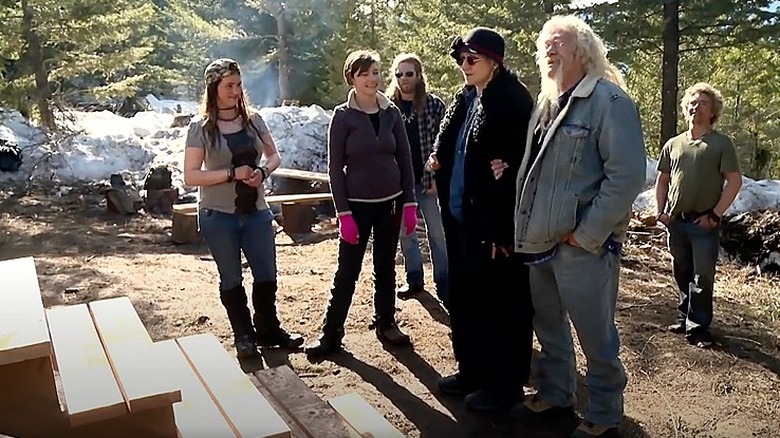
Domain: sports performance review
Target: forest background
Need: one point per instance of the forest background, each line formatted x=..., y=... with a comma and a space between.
x=68, y=53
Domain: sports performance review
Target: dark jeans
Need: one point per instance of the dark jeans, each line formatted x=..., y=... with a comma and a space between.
x=695, y=253
x=383, y=219
x=227, y=235
x=491, y=313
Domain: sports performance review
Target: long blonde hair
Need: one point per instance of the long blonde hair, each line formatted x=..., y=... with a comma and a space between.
x=590, y=50
x=420, y=93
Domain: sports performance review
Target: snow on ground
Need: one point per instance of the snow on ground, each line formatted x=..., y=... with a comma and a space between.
x=171, y=106
x=103, y=143
x=755, y=195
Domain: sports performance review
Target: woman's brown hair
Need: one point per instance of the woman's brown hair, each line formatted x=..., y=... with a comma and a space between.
x=210, y=110
x=357, y=62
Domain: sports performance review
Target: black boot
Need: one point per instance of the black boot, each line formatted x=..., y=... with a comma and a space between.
x=235, y=302
x=390, y=333
x=327, y=343
x=268, y=329
x=333, y=327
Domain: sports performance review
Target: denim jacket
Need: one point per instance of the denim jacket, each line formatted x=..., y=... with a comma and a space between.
x=589, y=170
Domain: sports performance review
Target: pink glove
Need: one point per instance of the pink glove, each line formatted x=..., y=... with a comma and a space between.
x=348, y=229
x=410, y=219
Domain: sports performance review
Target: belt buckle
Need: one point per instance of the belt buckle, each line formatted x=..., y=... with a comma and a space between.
x=690, y=216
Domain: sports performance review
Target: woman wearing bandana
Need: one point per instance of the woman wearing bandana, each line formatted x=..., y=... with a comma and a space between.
x=222, y=157
x=476, y=157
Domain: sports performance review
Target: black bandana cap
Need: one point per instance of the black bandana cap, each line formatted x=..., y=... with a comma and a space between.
x=219, y=68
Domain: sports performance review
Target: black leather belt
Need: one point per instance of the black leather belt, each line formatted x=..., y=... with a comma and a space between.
x=690, y=216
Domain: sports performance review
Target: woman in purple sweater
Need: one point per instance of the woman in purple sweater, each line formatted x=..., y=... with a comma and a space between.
x=372, y=181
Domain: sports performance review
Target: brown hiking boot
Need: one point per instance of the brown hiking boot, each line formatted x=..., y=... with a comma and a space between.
x=586, y=429
x=536, y=412
x=392, y=335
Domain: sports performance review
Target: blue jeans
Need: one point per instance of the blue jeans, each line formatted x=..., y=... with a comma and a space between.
x=428, y=203
x=584, y=286
x=695, y=252
x=226, y=235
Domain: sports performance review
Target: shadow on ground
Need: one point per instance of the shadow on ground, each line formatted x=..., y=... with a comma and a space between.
x=458, y=421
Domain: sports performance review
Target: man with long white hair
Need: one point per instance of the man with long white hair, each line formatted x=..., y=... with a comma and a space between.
x=583, y=167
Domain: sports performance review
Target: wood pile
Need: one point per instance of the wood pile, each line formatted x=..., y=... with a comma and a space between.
x=753, y=238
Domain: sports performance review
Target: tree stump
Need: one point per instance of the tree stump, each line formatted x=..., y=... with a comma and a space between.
x=185, y=225
x=297, y=218
x=160, y=202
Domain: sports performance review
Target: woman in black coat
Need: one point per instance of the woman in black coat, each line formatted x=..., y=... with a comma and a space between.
x=476, y=157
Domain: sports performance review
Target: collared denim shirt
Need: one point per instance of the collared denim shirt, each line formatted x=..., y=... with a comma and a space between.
x=589, y=170
x=458, y=182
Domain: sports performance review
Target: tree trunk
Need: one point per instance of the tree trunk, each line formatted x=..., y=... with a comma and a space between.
x=283, y=56
x=38, y=65
x=671, y=62
x=372, y=23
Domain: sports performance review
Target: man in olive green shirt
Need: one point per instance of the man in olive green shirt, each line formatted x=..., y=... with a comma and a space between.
x=691, y=199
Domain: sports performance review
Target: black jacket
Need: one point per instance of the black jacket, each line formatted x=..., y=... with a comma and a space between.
x=497, y=132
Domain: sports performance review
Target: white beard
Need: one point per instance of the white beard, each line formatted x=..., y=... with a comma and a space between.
x=552, y=86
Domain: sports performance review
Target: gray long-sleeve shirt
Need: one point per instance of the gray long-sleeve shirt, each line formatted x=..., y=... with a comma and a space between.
x=366, y=166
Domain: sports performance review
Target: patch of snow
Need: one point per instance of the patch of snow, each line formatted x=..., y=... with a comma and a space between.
x=754, y=195
x=104, y=143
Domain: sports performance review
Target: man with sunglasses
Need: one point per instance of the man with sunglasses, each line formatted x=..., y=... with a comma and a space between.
x=491, y=322
x=422, y=113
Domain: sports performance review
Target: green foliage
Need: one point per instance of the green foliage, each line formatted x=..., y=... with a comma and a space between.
x=724, y=43
x=109, y=49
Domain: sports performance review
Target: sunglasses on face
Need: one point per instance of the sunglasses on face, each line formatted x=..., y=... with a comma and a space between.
x=408, y=74
x=470, y=60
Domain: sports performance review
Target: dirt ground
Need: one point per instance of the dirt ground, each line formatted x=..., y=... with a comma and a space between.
x=83, y=253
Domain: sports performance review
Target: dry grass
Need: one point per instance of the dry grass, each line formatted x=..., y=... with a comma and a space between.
x=675, y=390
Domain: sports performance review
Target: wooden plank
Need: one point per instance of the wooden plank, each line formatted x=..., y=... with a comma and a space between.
x=23, y=331
x=311, y=413
x=131, y=355
x=89, y=387
x=197, y=415
x=299, y=198
x=301, y=174
x=245, y=408
x=360, y=415
x=192, y=207
x=295, y=428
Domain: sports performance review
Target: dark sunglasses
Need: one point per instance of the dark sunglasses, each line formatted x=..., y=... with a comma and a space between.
x=408, y=74
x=470, y=60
